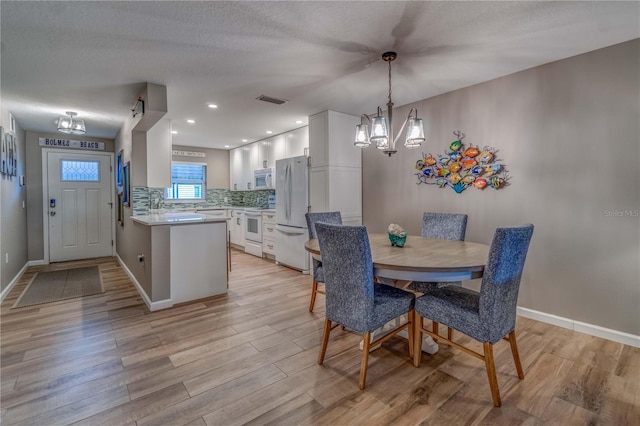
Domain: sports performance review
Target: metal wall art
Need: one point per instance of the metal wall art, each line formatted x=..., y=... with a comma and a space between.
x=126, y=194
x=463, y=166
x=9, y=154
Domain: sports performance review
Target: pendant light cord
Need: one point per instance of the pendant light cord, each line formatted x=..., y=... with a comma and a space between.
x=389, y=81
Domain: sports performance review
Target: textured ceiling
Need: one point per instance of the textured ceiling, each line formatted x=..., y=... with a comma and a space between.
x=93, y=57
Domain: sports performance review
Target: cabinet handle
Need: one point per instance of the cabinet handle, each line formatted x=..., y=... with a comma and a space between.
x=270, y=229
x=248, y=185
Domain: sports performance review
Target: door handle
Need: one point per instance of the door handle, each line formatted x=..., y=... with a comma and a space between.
x=52, y=213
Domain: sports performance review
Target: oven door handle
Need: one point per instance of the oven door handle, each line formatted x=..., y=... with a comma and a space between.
x=253, y=214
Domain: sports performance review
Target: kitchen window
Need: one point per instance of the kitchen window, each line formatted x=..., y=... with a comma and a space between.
x=188, y=181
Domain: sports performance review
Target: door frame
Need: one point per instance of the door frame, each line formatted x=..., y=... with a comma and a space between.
x=45, y=194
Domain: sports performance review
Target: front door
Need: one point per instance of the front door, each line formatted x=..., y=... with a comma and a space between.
x=79, y=205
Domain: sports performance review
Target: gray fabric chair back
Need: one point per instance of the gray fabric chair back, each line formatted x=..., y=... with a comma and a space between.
x=348, y=274
x=325, y=217
x=446, y=226
x=501, y=280
x=333, y=218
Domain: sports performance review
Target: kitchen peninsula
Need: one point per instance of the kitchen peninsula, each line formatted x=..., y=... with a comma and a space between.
x=185, y=257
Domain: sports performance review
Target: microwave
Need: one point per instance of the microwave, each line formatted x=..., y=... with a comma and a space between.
x=264, y=178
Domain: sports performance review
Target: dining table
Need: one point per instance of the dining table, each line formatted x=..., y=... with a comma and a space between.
x=420, y=259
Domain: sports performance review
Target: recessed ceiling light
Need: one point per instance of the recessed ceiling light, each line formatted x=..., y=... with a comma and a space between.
x=191, y=121
x=269, y=132
x=175, y=132
x=213, y=106
x=244, y=140
x=226, y=146
x=298, y=121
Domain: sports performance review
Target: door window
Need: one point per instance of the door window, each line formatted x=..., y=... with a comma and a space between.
x=79, y=171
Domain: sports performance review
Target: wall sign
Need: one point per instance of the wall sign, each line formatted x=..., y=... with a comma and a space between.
x=463, y=166
x=68, y=143
x=188, y=153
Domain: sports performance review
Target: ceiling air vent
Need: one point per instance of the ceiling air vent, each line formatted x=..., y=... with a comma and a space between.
x=271, y=100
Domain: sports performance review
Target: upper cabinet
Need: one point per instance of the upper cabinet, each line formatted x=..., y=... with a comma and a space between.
x=261, y=154
x=241, y=173
x=296, y=141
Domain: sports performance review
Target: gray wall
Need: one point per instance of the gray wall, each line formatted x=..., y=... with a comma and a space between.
x=34, y=187
x=217, y=164
x=569, y=133
x=133, y=238
x=13, y=222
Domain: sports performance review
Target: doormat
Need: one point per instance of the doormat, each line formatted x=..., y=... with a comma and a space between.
x=51, y=286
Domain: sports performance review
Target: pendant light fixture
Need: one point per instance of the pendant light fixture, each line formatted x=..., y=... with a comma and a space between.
x=71, y=125
x=382, y=128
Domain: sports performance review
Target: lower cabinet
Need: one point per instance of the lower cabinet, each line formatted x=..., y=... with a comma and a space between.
x=269, y=233
x=236, y=226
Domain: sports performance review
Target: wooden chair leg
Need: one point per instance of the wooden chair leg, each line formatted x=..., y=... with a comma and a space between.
x=516, y=356
x=325, y=340
x=314, y=291
x=365, y=359
x=417, y=339
x=411, y=317
x=449, y=333
x=434, y=327
x=491, y=373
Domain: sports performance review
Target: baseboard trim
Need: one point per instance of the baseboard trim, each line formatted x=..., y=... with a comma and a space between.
x=581, y=327
x=153, y=306
x=13, y=282
x=37, y=262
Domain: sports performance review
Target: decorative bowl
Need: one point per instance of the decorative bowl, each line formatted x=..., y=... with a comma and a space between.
x=398, y=240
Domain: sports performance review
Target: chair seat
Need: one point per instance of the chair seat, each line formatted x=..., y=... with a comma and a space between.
x=425, y=287
x=388, y=303
x=455, y=307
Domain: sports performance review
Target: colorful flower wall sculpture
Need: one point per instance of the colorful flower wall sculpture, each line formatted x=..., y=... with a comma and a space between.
x=463, y=166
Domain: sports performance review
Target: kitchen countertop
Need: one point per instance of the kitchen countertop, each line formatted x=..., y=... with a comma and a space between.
x=176, y=218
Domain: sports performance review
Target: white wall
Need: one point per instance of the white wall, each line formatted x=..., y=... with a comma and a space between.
x=569, y=133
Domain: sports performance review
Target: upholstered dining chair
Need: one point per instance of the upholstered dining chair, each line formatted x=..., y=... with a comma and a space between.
x=488, y=315
x=445, y=226
x=352, y=299
x=318, y=276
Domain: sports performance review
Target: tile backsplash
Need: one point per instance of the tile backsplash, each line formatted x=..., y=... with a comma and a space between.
x=144, y=198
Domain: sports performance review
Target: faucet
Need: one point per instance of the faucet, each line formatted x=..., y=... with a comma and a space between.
x=155, y=202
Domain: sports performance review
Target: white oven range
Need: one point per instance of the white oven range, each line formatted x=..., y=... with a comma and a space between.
x=253, y=232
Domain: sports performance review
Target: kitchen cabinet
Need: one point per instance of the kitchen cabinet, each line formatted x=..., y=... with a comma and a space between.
x=181, y=257
x=236, y=228
x=279, y=149
x=269, y=233
x=255, y=156
x=296, y=141
x=236, y=169
x=241, y=173
x=258, y=155
x=335, y=175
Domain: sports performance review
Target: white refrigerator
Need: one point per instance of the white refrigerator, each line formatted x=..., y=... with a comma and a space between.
x=292, y=202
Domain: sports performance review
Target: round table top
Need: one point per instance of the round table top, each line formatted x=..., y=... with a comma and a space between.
x=422, y=254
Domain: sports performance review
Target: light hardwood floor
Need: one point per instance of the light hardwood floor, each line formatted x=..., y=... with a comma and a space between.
x=250, y=357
